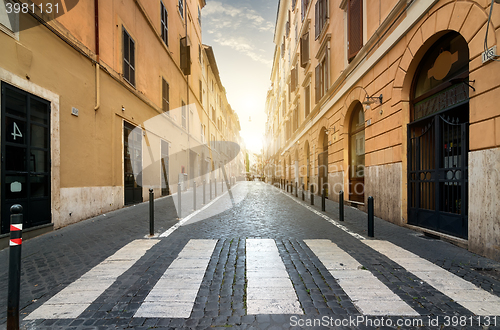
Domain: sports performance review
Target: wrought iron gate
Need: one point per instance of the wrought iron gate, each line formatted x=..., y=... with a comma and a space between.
x=437, y=174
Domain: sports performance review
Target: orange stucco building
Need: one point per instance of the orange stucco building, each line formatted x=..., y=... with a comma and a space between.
x=395, y=100
x=101, y=102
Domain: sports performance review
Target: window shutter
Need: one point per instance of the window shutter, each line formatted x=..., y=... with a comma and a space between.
x=327, y=75
x=355, y=28
x=185, y=56
x=303, y=9
x=288, y=25
x=294, y=3
x=324, y=12
x=132, y=62
x=293, y=77
x=304, y=50
x=296, y=76
x=165, y=97
x=316, y=20
x=317, y=85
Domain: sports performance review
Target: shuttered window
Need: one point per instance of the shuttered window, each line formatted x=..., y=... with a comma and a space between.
x=185, y=56
x=164, y=23
x=184, y=113
x=317, y=87
x=304, y=50
x=288, y=26
x=296, y=119
x=307, y=101
x=355, y=27
x=294, y=79
x=294, y=3
x=128, y=58
x=201, y=92
x=305, y=4
x=165, y=94
x=321, y=73
x=181, y=8
x=321, y=15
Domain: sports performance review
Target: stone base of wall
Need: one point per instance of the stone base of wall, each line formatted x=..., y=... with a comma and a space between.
x=336, y=184
x=85, y=202
x=484, y=203
x=383, y=182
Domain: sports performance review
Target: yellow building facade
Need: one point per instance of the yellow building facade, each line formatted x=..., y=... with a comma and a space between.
x=100, y=103
x=395, y=100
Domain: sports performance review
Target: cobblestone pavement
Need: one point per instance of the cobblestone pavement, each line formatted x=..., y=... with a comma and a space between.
x=64, y=257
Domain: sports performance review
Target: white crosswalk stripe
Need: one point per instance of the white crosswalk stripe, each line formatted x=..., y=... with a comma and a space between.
x=475, y=299
x=368, y=293
x=174, y=294
x=76, y=297
x=269, y=289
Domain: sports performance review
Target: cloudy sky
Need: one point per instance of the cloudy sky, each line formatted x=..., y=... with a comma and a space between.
x=241, y=34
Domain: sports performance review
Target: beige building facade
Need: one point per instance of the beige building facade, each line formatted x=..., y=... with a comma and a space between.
x=101, y=103
x=395, y=100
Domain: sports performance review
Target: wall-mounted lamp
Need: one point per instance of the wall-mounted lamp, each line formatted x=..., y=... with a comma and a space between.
x=372, y=99
x=331, y=129
x=123, y=108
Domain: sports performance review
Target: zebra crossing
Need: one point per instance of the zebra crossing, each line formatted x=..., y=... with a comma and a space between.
x=269, y=289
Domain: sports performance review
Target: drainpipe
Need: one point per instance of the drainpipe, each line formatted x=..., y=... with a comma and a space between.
x=97, y=66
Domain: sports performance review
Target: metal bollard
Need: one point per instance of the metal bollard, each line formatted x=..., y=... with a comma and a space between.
x=296, y=189
x=16, y=240
x=179, y=205
x=323, y=199
x=194, y=195
x=341, y=206
x=303, y=195
x=311, y=193
x=204, y=191
x=291, y=188
x=151, y=212
x=371, y=222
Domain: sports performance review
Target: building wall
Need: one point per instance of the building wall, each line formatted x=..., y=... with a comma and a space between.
x=87, y=151
x=395, y=39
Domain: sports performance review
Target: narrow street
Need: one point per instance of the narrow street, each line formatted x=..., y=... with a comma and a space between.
x=272, y=261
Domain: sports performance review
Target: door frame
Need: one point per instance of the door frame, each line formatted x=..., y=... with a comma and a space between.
x=55, y=140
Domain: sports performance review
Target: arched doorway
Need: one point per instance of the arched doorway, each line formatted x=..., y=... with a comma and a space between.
x=438, y=139
x=323, y=162
x=357, y=154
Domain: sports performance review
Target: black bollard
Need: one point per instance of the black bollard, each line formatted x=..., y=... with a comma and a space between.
x=16, y=241
x=323, y=199
x=179, y=205
x=341, y=206
x=370, y=217
x=296, y=189
x=151, y=212
x=303, y=195
x=311, y=193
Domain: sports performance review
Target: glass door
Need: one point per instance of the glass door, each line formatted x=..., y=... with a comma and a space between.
x=25, y=157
